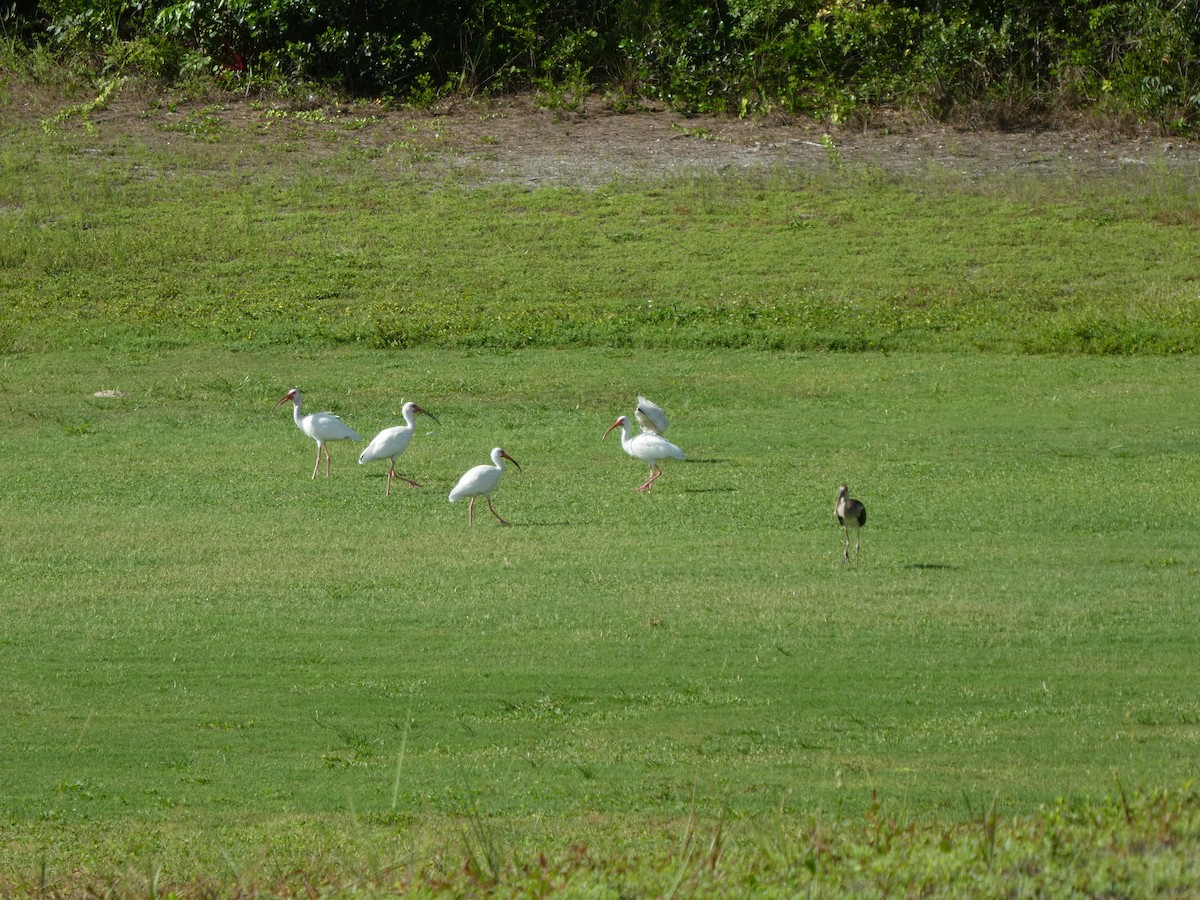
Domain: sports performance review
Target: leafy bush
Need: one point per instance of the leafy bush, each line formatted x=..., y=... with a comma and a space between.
x=1146, y=53
x=825, y=57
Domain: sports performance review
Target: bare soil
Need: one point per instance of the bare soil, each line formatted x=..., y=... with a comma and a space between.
x=518, y=142
x=515, y=140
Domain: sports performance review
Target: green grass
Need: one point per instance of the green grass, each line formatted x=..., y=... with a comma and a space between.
x=199, y=634
x=243, y=241
x=221, y=674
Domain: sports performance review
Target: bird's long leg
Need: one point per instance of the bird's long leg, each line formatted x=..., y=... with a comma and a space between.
x=645, y=485
x=857, y=544
x=317, y=467
x=392, y=473
x=471, y=512
x=846, y=550
x=326, y=460
x=655, y=472
x=494, y=513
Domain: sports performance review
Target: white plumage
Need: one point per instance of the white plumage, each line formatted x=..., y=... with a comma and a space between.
x=322, y=427
x=480, y=482
x=391, y=442
x=649, y=448
x=649, y=416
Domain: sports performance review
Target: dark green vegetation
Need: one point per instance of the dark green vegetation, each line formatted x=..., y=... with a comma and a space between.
x=220, y=675
x=1004, y=62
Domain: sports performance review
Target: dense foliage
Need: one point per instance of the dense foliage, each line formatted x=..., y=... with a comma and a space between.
x=824, y=57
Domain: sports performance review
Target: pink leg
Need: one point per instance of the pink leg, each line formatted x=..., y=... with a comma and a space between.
x=392, y=473
x=494, y=513
x=655, y=471
x=326, y=462
x=471, y=512
x=317, y=467
x=657, y=475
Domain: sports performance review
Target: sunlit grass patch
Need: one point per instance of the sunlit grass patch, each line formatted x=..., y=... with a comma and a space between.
x=106, y=244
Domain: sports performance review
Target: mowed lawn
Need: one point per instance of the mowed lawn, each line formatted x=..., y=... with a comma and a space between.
x=196, y=632
x=222, y=675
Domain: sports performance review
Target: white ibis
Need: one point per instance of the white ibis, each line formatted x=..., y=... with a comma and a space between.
x=850, y=514
x=649, y=448
x=648, y=414
x=391, y=442
x=480, y=482
x=322, y=427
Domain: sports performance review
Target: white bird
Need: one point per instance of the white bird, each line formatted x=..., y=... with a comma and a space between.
x=322, y=427
x=480, y=482
x=648, y=414
x=649, y=448
x=850, y=513
x=391, y=442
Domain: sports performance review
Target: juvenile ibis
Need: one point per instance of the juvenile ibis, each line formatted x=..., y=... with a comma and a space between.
x=650, y=416
x=480, y=482
x=649, y=448
x=850, y=514
x=322, y=427
x=391, y=442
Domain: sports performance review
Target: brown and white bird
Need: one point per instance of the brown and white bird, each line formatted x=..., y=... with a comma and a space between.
x=850, y=514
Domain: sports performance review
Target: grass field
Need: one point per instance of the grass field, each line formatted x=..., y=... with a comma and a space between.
x=162, y=240
x=198, y=632
x=221, y=673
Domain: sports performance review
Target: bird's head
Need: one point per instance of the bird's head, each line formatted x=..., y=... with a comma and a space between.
x=424, y=412
x=498, y=454
x=293, y=395
x=620, y=423
x=504, y=455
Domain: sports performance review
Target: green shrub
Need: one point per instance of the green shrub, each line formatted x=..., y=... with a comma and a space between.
x=743, y=56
